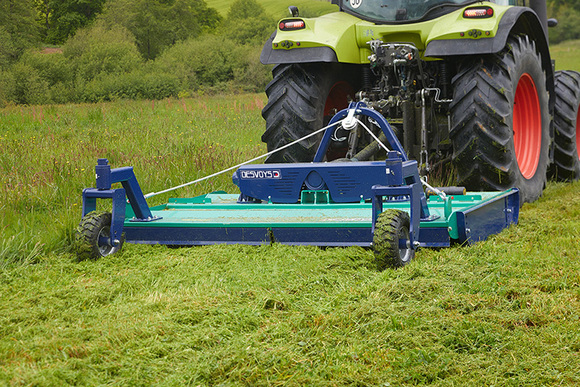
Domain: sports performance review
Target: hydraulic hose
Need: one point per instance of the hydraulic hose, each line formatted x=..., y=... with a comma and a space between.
x=370, y=150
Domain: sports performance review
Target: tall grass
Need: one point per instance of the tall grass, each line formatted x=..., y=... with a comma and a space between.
x=567, y=55
x=48, y=154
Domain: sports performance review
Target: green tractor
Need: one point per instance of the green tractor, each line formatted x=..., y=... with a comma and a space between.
x=463, y=83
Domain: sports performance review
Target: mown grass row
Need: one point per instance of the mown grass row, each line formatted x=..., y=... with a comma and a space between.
x=502, y=312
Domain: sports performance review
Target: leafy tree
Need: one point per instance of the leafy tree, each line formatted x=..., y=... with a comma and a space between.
x=568, y=16
x=559, y=3
x=158, y=24
x=248, y=23
x=60, y=19
x=8, y=50
x=18, y=30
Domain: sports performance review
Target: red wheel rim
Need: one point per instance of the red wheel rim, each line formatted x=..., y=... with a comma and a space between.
x=337, y=100
x=527, y=126
x=337, y=97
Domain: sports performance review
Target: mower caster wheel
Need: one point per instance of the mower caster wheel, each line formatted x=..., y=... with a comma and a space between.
x=94, y=237
x=391, y=240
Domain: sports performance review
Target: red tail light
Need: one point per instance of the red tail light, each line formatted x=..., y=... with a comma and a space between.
x=478, y=13
x=290, y=25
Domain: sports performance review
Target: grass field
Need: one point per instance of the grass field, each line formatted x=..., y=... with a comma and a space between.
x=48, y=154
x=567, y=55
x=503, y=312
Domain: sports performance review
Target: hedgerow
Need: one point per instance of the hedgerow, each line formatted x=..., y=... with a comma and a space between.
x=90, y=70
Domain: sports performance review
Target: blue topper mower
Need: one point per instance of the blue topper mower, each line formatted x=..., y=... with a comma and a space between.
x=378, y=204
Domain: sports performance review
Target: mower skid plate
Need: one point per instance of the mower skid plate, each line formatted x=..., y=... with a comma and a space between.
x=219, y=218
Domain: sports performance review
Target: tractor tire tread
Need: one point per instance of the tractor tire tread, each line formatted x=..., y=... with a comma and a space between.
x=481, y=114
x=566, y=161
x=291, y=112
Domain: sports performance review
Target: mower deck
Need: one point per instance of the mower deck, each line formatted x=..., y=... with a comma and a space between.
x=318, y=203
x=219, y=218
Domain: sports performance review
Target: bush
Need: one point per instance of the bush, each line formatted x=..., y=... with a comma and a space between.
x=208, y=61
x=24, y=85
x=53, y=68
x=102, y=63
x=136, y=85
x=63, y=93
x=254, y=76
x=6, y=86
x=102, y=50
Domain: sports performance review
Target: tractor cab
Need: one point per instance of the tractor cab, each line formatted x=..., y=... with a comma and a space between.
x=412, y=11
x=400, y=11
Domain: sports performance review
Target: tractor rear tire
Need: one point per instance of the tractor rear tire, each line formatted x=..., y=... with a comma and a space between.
x=93, y=228
x=501, y=121
x=392, y=227
x=567, y=126
x=301, y=99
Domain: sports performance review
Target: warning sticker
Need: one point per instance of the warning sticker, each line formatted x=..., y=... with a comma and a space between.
x=356, y=3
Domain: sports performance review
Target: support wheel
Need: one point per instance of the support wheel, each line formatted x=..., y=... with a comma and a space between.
x=391, y=240
x=93, y=236
x=302, y=98
x=567, y=125
x=501, y=121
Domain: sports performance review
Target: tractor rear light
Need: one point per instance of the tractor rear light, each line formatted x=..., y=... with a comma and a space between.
x=291, y=25
x=478, y=13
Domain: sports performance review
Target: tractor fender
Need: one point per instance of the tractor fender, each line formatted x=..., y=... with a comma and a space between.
x=304, y=55
x=515, y=20
x=327, y=38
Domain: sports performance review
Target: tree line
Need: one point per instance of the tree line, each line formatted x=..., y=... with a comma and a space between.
x=567, y=12
x=109, y=49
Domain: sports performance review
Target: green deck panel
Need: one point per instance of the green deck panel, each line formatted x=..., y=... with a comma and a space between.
x=220, y=209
